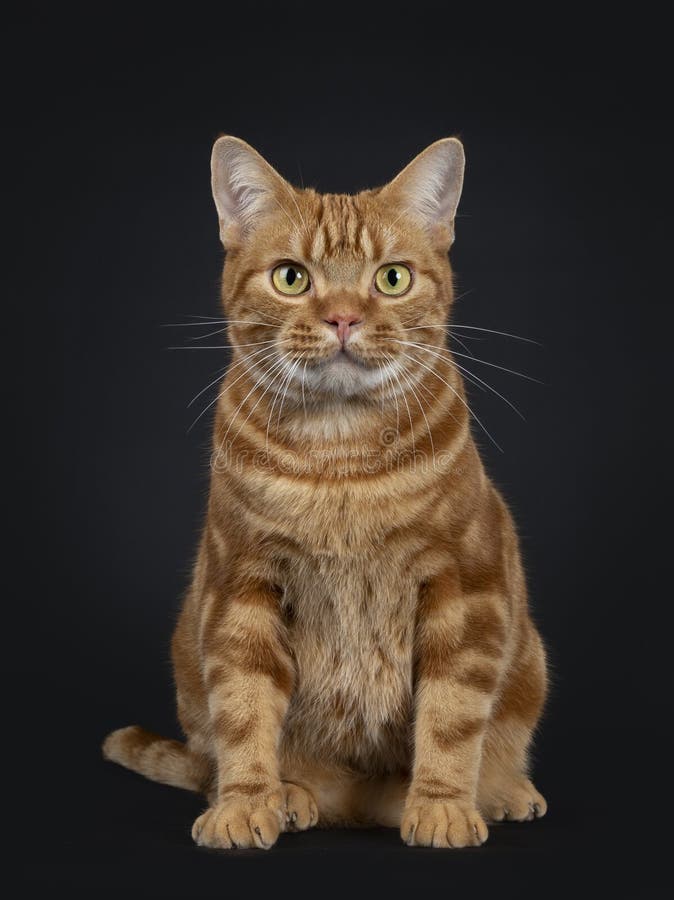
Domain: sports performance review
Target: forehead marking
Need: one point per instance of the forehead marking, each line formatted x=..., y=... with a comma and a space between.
x=366, y=243
x=317, y=251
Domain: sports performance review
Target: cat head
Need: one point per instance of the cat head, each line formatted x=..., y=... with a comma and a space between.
x=329, y=291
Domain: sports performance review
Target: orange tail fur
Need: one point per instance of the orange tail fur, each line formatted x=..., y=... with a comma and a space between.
x=157, y=758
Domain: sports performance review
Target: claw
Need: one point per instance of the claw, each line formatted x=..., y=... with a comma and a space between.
x=229, y=835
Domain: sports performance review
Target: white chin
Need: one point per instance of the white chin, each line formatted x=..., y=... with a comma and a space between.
x=342, y=377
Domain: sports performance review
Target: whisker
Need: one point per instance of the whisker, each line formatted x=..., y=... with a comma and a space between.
x=403, y=372
x=473, y=378
x=230, y=367
x=289, y=378
x=409, y=414
x=201, y=337
x=194, y=316
x=258, y=312
x=289, y=192
x=391, y=363
x=286, y=213
x=223, y=346
x=285, y=380
x=276, y=371
x=387, y=229
x=217, y=322
x=432, y=397
x=381, y=382
x=231, y=385
x=252, y=344
x=260, y=343
x=495, y=366
x=461, y=344
x=464, y=337
x=304, y=372
x=252, y=322
x=411, y=318
x=484, y=362
x=417, y=315
x=457, y=395
x=516, y=337
x=221, y=373
x=272, y=407
x=275, y=367
x=192, y=324
x=477, y=380
x=463, y=294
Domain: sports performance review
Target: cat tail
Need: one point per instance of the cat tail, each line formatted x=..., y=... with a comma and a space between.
x=158, y=758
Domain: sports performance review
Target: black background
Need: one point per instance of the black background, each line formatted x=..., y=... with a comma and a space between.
x=562, y=237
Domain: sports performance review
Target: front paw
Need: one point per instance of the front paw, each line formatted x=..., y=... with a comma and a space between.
x=241, y=822
x=513, y=800
x=431, y=823
x=301, y=811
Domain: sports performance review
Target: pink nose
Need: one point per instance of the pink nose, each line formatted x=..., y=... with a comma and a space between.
x=342, y=323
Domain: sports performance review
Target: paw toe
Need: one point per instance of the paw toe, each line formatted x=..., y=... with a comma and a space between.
x=237, y=825
x=518, y=801
x=264, y=828
x=408, y=826
x=443, y=825
x=301, y=811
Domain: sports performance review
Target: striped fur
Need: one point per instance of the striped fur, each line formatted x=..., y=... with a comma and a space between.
x=355, y=647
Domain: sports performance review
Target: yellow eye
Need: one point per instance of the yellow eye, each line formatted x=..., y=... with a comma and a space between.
x=393, y=279
x=290, y=279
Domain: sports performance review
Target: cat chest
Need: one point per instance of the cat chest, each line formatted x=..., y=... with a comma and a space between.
x=351, y=628
x=329, y=520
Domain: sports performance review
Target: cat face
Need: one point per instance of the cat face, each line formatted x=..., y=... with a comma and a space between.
x=323, y=293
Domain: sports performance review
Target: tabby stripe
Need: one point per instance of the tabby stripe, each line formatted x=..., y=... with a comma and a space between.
x=232, y=728
x=251, y=789
x=257, y=655
x=480, y=677
x=448, y=736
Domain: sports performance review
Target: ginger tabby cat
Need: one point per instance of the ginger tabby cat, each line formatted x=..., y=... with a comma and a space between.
x=355, y=647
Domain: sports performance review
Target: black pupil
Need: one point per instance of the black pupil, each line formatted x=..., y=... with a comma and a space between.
x=392, y=277
x=291, y=276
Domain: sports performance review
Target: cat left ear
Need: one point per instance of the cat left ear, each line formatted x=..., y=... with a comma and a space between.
x=244, y=187
x=429, y=188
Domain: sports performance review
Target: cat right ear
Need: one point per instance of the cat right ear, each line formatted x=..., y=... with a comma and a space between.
x=244, y=187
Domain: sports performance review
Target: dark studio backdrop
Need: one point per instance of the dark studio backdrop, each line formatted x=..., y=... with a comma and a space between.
x=561, y=238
